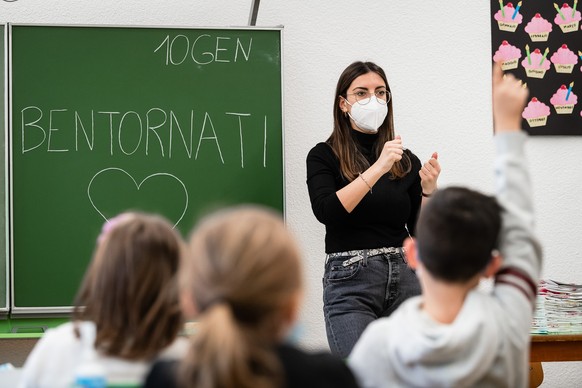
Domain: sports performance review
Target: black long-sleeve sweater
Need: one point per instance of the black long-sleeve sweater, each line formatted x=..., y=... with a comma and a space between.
x=380, y=219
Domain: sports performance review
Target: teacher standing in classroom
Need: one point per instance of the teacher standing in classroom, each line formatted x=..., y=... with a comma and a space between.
x=366, y=188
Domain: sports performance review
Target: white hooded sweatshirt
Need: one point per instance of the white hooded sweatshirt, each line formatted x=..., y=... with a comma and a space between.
x=487, y=345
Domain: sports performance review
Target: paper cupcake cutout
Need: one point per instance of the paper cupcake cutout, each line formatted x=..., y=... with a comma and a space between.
x=564, y=100
x=535, y=64
x=567, y=18
x=564, y=59
x=508, y=17
x=538, y=28
x=507, y=55
x=536, y=113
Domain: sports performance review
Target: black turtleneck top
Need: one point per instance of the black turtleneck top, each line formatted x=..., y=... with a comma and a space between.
x=381, y=217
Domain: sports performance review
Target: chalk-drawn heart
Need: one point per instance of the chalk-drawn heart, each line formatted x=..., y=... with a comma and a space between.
x=138, y=187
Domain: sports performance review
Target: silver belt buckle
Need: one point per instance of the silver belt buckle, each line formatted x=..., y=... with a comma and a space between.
x=352, y=260
x=390, y=250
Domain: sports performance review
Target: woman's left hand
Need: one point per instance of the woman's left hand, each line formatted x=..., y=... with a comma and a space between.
x=429, y=174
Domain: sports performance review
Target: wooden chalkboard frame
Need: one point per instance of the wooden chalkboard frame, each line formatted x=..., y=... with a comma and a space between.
x=65, y=309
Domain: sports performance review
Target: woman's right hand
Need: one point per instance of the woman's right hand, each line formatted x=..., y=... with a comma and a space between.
x=351, y=195
x=391, y=153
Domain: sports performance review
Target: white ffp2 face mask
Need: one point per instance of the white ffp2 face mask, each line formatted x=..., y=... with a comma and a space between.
x=369, y=117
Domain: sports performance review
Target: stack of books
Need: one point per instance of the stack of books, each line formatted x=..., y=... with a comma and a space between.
x=558, y=308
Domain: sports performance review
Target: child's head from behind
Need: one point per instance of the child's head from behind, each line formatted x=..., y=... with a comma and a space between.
x=130, y=288
x=242, y=274
x=457, y=233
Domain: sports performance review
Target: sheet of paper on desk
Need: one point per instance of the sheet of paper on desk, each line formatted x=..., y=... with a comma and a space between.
x=558, y=308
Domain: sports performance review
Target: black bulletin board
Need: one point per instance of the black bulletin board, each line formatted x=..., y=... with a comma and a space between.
x=176, y=121
x=539, y=25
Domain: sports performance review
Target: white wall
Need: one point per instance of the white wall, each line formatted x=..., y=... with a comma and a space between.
x=438, y=64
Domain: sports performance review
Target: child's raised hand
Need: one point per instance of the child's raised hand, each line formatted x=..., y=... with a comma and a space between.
x=509, y=98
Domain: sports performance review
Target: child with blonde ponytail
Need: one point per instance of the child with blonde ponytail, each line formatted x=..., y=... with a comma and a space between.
x=241, y=279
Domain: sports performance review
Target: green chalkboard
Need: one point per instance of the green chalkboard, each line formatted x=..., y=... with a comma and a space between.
x=4, y=303
x=105, y=119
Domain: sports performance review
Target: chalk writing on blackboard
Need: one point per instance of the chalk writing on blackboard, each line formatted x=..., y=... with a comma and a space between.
x=114, y=170
x=66, y=130
x=179, y=49
x=111, y=119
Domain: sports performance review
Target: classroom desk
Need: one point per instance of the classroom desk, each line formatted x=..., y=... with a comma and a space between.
x=552, y=348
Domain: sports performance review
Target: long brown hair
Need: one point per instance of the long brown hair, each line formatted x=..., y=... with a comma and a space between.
x=130, y=288
x=352, y=161
x=241, y=270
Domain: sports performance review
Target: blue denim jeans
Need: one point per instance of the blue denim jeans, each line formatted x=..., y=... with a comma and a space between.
x=359, y=289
